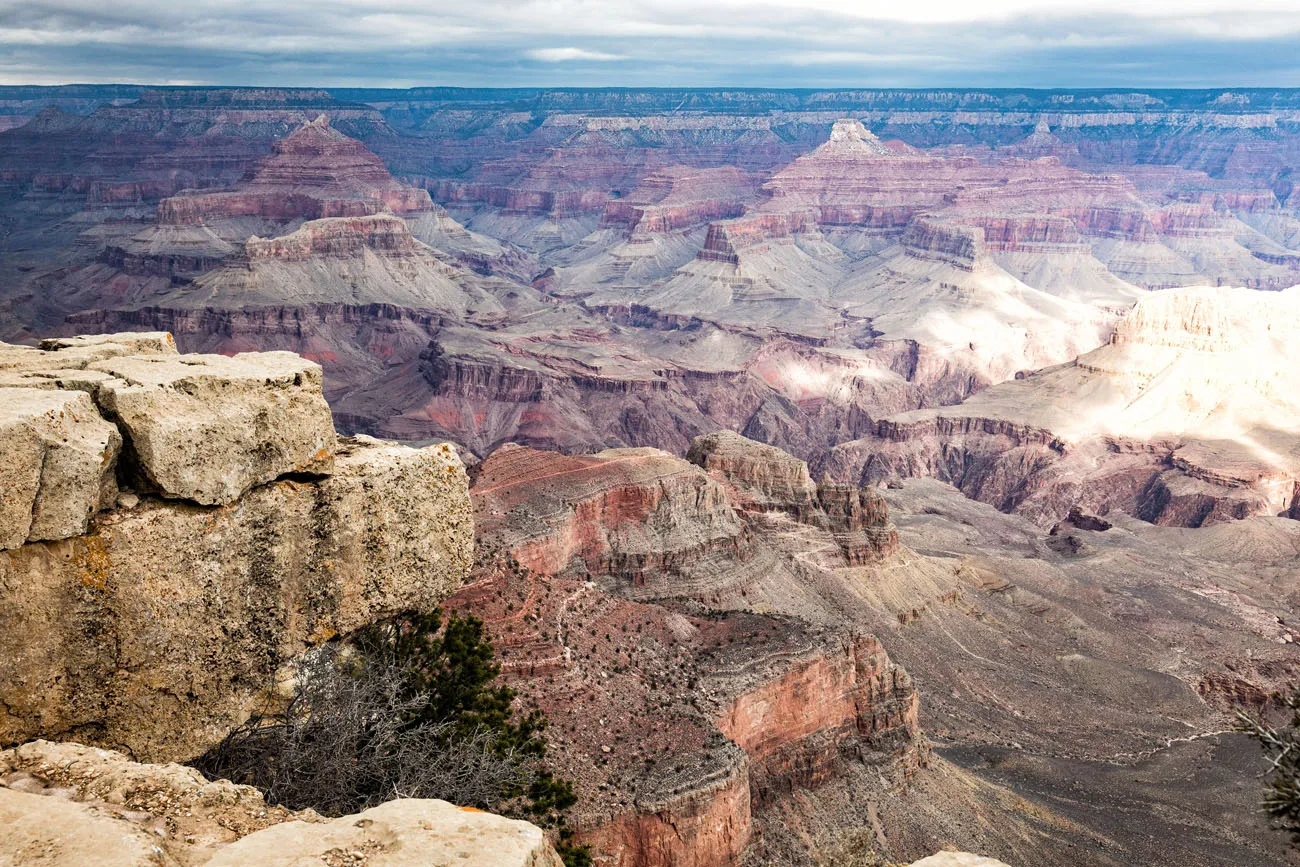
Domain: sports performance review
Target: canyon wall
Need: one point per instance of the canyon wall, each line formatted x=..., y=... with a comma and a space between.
x=748, y=709
x=1182, y=419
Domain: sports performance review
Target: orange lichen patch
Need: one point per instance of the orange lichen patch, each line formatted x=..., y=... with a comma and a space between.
x=470, y=809
x=321, y=634
x=92, y=561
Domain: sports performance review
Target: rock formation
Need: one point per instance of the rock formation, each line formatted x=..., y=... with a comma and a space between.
x=67, y=804
x=675, y=713
x=184, y=525
x=315, y=172
x=952, y=258
x=1183, y=418
x=748, y=708
x=880, y=284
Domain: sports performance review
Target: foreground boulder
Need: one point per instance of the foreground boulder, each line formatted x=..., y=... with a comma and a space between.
x=403, y=833
x=957, y=859
x=208, y=428
x=69, y=805
x=56, y=467
x=148, y=623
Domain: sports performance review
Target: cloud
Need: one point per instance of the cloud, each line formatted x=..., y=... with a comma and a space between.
x=790, y=43
x=564, y=55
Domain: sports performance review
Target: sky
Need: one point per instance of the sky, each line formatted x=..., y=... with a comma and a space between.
x=654, y=43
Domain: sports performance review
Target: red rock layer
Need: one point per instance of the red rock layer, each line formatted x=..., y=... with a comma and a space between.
x=316, y=172
x=335, y=237
x=794, y=728
x=622, y=512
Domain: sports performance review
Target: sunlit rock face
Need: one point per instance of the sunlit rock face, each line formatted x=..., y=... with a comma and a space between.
x=1186, y=416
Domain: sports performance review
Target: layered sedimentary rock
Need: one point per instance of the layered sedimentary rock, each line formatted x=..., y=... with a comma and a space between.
x=1185, y=417
x=621, y=512
x=755, y=217
x=748, y=708
x=67, y=804
x=315, y=172
x=675, y=709
x=243, y=532
x=767, y=479
x=681, y=730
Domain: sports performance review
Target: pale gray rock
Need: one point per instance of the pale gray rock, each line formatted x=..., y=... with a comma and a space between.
x=50, y=831
x=69, y=805
x=56, y=464
x=135, y=342
x=208, y=428
x=957, y=859
x=404, y=833
x=74, y=353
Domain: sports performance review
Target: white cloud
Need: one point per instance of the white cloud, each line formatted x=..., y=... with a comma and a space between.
x=808, y=43
x=564, y=55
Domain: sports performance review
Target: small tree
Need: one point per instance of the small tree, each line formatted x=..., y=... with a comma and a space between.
x=1282, y=748
x=409, y=709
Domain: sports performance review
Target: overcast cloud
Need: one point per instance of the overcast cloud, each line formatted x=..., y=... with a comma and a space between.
x=789, y=43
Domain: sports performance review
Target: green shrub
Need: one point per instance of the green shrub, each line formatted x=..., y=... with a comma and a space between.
x=408, y=709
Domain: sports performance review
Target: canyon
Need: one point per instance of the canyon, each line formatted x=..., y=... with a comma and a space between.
x=510, y=266
x=841, y=472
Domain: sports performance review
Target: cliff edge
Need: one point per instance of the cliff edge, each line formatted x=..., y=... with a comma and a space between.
x=175, y=528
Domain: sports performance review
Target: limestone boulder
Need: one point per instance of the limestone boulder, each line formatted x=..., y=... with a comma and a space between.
x=50, y=831
x=957, y=859
x=69, y=805
x=403, y=833
x=76, y=353
x=130, y=342
x=208, y=428
x=57, y=458
x=155, y=632
x=67, y=781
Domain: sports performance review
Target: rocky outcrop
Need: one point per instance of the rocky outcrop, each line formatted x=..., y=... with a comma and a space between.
x=314, y=173
x=957, y=859
x=1183, y=418
x=208, y=428
x=337, y=237
x=744, y=709
x=679, y=730
x=766, y=479
x=66, y=804
x=402, y=833
x=623, y=513
x=243, y=533
x=679, y=197
x=865, y=709
x=955, y=245
x=57, y=466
